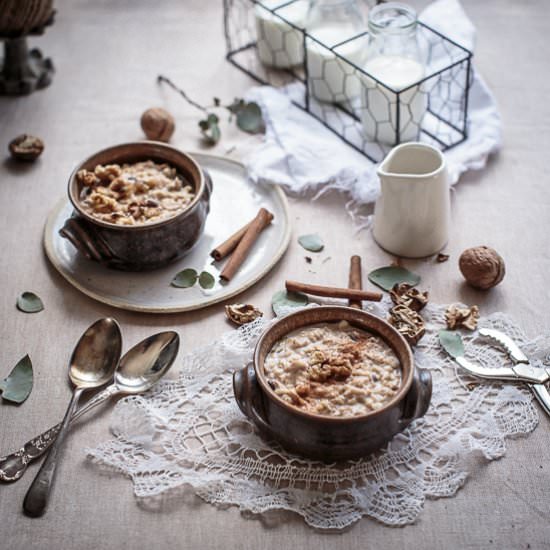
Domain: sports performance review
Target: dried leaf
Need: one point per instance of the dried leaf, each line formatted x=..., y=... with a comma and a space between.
x=387, y=277
x=206, y=280
x=29, y=302
x=185, y=278
x=18, y=385
x=451, y=342
x=283, y=299
x=249, y=118
x=210, y=129
x=440, y=258
x=312, y=243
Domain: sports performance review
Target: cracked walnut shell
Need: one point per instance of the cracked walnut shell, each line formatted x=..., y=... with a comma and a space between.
x=26, y=147
x=406, y=295
x=482, y=267
x=408, y=323
x=241, y=314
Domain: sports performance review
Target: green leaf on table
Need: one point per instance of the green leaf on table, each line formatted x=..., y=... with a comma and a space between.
x=206, y=280
x=283, y=299
x=451, y=341
x=387, y=277
x=18, y=385
x=185, y=278
x=29, y=302
x=312, y=243
x=210, y=129
x=249, y=118
x=237, y=105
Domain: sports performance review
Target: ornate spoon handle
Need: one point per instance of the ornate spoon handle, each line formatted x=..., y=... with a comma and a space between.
x=13, y=466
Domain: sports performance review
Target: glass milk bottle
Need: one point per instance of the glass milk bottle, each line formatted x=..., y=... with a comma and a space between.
x=279, y=44
x=394, y=59
x=334, y=23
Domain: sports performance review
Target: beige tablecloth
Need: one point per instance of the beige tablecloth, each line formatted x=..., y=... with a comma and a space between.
x=108, y=55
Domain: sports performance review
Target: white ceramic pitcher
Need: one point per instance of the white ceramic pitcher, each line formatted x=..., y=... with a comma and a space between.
x=412, y=214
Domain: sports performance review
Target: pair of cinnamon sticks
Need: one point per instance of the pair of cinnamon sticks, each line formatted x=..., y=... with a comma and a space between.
x=354, y=293
x=240, y=243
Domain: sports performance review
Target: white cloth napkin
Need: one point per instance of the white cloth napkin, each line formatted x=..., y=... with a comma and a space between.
x=300, y=154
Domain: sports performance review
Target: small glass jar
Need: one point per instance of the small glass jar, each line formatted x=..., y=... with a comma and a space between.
x=333, y=22
x=393, y=58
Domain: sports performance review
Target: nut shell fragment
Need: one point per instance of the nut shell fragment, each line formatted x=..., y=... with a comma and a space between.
x=466, y=317
x=26, y=147
x=406, y=295
x=408, y=323
x=241, y=314
x=482, y=267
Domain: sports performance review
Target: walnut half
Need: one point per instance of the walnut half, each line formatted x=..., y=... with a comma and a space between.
x=466, y=317
x=408, y=323
x=404, y=294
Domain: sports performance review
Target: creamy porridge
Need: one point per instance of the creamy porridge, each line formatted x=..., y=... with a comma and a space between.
x=333, y=369
x=134, y=194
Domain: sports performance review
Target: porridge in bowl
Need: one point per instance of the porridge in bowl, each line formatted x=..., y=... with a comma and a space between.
x=333, y=369
x=134, y=194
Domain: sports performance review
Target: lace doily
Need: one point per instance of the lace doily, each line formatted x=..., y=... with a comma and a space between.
x=191, y=434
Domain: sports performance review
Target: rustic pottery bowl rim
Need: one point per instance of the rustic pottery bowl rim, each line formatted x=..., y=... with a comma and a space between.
x=399, y=396
x=147, y=144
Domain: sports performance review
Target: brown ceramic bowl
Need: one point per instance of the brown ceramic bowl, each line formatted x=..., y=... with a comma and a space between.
x=139, y=247
x=324, y=437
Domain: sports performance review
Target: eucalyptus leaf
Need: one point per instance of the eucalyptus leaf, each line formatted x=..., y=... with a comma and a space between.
x=29, y=302
x=283, y=299
x=18, y=385
x=249, y=118
x=387, y=277
x=210, y=129
x=312, y=243
x=451, y=342
x=237, y=105
x=206, y=280
x=185, y=278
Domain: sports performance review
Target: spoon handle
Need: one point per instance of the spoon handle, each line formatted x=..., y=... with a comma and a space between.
x=36, y=499
x=14, y=465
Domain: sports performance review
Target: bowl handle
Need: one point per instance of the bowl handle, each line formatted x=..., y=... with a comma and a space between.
x=247, y=393
x=417, y=401
x=86, y=240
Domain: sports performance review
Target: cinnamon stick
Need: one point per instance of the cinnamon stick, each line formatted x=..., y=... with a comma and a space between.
x=354, y=280
x=225, y=248
x=333, y=292
x=257, y=225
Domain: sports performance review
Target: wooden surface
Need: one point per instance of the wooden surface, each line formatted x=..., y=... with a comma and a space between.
x=107, y=56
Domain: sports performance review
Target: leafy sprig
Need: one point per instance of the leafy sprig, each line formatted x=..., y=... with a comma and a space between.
x=247, y=114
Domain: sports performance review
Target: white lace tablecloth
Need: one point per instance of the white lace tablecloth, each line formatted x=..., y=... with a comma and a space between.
x=190, y=434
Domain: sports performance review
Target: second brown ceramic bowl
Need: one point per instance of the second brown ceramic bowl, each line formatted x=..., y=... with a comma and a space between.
x=147, y=246
x=324, y=437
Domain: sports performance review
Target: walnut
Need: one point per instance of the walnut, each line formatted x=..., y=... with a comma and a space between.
x=157, y=124
x=26, y=147
x=482, y=267
x=87, y=178
x=405, y=294
x=408, y=323
x=241, y=314
x=466, y=317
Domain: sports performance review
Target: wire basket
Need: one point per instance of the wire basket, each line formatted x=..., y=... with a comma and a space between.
x=332, y=86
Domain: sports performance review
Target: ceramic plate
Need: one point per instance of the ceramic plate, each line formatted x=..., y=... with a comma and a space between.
x=234, y=202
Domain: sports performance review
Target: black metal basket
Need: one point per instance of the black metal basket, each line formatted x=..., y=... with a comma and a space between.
x=367, y=114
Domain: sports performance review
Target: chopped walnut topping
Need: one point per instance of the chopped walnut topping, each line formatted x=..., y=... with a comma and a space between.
x=404, y=294
x=466, y=317
x=408, y=323
x=241, y=314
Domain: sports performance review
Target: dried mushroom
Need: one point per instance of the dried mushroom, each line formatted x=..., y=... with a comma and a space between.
x=406, y=295
x=241, y=314
x=482, y=267
x=408, y=323
x=26, y=147
x=466, y=317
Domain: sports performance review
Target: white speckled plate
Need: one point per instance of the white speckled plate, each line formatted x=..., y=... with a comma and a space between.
x=234, y=202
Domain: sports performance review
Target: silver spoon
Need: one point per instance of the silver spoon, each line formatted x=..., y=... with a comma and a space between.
x=139, y=369
x=92, y=364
